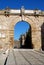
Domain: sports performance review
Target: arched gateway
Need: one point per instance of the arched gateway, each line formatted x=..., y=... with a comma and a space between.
x=9, y=18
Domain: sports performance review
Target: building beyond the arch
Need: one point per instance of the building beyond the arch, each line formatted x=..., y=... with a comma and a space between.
x=8, y=19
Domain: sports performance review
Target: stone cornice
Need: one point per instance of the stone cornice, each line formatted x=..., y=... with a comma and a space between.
x=22, y=12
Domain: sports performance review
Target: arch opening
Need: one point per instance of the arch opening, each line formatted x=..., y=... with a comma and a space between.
x=22, y=35
x=42, y=36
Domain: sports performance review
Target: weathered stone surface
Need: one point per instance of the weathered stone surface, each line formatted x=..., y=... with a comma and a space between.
x=10, y=21
x=25, y=57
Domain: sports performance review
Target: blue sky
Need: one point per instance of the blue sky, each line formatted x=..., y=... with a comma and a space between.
x=17, y=4
x=20, y=28
x=28, y=4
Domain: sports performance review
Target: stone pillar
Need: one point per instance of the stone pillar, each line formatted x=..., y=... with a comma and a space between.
x=36, y=39
x=11, y=37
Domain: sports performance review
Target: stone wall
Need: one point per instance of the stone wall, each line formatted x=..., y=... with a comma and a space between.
x=36, y=20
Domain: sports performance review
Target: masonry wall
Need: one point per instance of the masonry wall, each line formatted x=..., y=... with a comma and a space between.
x=7, y=24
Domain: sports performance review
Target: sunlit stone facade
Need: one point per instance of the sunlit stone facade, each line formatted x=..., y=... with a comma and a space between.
x=9, y=18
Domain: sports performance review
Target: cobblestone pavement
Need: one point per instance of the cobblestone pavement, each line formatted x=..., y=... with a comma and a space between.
x=23, y=57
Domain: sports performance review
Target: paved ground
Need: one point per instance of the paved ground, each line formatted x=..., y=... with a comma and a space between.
x=23, y=57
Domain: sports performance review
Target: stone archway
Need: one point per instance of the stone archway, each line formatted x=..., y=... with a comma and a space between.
x=22, y=35
x=10, y=17
x=34, y=30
